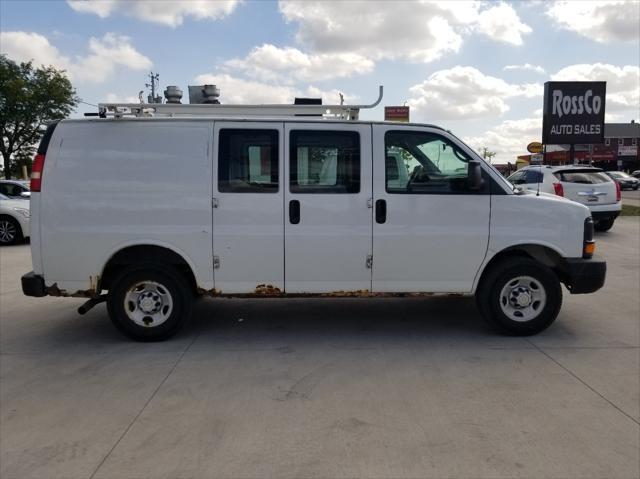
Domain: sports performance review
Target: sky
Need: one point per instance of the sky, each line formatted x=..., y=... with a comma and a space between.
x=475, y=68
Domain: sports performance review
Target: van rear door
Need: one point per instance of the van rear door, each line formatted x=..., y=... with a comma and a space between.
x=587, y=186
x=248, y=207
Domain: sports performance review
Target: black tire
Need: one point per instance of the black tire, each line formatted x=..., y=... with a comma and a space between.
x=10, y=231
x=169, y=284
x=488, y=296
x=604, y=225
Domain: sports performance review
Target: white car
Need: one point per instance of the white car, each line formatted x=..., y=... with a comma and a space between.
x=14, y=220
x=15, y=189
x=281, y=201
x=583, y=184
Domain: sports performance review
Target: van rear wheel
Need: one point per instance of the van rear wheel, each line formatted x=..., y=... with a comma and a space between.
x=149, y=302
x=520, y=297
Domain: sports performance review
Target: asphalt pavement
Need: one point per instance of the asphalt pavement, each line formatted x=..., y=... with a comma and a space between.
x=366, y=388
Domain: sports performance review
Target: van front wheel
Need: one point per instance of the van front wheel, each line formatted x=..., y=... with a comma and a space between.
x=149, y=302
x=520, y=297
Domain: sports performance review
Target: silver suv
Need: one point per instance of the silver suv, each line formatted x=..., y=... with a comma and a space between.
x=584, y=184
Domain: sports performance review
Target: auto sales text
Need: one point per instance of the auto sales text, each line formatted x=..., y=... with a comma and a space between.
x=575, y=129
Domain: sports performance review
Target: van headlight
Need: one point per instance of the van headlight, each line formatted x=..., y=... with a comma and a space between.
x=23, y=211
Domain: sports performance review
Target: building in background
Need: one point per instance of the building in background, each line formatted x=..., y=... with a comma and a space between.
x=618, y=152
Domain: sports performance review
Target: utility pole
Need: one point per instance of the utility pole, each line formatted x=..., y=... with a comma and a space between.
x=154, y=78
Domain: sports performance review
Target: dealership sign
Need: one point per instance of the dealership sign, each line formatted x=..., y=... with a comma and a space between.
x=573, y=112
x=627, y=151
x=535, y=147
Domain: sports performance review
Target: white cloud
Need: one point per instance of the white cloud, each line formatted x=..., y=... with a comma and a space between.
x=623, y=83
x=416, y=31
x=167, y=12
x=268, y=62
x=464, y=93
x=104, y=55
x=526, y=67
x=115, y=98
x=509, y=139
x=502, y=23
x=249, y=92
x=602, y=21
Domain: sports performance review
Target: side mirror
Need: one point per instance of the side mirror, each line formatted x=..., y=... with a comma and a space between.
x=474, y=175
x=25, y=194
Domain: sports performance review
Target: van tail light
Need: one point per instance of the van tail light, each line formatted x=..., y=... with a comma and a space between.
x=588, y=244
x=558, y=189
x=36, y=172
x=618, y=192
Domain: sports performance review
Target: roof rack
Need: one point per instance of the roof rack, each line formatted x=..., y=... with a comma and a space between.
x=172, y=110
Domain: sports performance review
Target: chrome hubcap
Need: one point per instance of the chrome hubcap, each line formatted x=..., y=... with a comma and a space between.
x=7, y=231
x=148, y=304
x=522, y=298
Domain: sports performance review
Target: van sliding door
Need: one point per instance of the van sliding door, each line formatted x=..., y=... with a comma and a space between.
x=328, y=219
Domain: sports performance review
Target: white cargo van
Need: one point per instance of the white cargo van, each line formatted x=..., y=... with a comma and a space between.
x=149, y=212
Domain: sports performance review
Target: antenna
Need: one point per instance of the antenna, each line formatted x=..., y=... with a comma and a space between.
x=154, y=78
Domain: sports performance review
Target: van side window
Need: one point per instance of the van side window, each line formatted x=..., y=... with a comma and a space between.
x=248, y=161
x=324, y=161
x=424, y=163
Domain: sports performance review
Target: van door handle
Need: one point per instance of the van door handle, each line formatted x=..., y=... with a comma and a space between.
x=294, y=212
x=381, y=211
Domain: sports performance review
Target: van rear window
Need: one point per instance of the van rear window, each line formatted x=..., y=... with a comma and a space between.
x=248, y=161
x=588, y=177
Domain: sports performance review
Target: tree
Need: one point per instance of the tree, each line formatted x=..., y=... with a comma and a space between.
x=29, y=98
x=486, y=154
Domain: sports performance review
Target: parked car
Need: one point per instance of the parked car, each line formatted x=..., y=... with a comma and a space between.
x=292, y=206
x=14, y=220
x=586, y=185
x=15, y=189
x=636, y=174
x=625, y=180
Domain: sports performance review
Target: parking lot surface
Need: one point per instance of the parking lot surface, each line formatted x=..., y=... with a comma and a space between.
x=631, y=197
x=368, y=388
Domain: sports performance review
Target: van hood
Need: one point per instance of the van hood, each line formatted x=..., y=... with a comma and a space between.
x=551, y=200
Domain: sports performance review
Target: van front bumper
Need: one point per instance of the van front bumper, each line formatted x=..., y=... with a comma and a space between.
x=582, y=276
x=33, y=285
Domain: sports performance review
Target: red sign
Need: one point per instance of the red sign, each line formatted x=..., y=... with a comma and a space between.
x=396, y=113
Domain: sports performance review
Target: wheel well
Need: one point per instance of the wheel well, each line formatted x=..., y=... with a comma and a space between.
x=144, y=254
x=543, y=254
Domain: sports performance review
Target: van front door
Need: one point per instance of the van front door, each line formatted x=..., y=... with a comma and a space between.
x=328, y=220
x=248, y=207
x=431, y=230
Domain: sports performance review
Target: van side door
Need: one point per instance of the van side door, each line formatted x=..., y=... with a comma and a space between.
x=431, y=231
x=248, y=207
x=328, y=218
